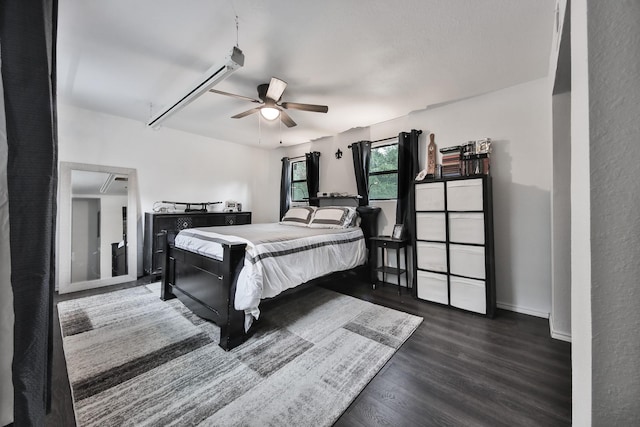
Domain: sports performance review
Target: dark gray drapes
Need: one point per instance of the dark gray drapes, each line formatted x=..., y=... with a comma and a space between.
x=313, y=172
x=27, y=40
x=407, y=170
x=361, y=152
x=285, y=186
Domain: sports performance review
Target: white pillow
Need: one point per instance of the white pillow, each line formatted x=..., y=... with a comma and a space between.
x=333, y=217
x=298, y=215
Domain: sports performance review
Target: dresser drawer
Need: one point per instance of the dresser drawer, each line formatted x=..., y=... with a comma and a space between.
x=468, y=294
x=430, y=196
x=465, y=195
x=237, y=219
x=466, y=227
x=431, y=226
x=431, y=256
x=432, y=287
x=467, y=261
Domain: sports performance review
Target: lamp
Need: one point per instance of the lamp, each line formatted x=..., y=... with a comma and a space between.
x=269, y=113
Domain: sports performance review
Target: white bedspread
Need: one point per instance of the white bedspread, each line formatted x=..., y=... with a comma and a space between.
x=278, y=257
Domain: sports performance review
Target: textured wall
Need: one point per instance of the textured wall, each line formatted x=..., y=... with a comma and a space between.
x=6, y=293
x=614, y=93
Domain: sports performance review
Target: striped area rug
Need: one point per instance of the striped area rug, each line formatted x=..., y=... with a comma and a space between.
x=136, y=360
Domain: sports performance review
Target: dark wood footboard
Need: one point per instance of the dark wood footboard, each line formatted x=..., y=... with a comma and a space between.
x=207, y=287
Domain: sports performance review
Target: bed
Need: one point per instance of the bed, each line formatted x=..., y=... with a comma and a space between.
x=222, y=273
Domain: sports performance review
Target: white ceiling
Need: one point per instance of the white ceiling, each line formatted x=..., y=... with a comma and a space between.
x=368, y=60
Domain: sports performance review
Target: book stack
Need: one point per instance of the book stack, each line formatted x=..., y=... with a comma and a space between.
x=451, y=161
x=475, y=157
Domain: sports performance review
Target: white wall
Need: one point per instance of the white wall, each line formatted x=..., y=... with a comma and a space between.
x=518, y=121
x=560, y=93
x=614, y=147
x=171, y=164
x=580, y=220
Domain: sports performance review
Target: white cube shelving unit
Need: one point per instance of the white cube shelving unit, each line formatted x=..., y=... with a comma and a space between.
x=453, y=243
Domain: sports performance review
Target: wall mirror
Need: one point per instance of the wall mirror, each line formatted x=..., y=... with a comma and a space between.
x=97, y=233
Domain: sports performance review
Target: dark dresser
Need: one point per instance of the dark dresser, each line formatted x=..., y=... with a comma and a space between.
x=172, y=223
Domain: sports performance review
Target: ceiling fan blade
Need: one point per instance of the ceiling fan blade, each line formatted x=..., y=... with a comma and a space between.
x=246, y=98
x=276, y=87
x=286, y=119
x=305, y=107
x=246, y=113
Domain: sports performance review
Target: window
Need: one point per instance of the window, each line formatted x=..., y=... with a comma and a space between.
x=299, y=190
x=383, y=172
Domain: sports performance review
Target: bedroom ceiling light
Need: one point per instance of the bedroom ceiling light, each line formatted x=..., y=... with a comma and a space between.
x=269, y=113
x=213, y=76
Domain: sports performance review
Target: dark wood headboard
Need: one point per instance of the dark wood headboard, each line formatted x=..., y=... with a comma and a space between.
x=368, y=214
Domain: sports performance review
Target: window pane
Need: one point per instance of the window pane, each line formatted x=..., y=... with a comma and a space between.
x=384, y=158
x=299, y=191
x=299, y=170
x=383, y=186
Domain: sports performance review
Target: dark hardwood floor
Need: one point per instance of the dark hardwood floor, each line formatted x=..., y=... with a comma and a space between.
x=457, y=369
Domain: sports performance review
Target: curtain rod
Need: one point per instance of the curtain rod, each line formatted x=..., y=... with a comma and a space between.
x=388, y=139
x=301, y=157
x=385, y=139
x=379, y=140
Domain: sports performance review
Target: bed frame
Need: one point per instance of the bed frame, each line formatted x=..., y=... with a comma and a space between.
x=207, y=286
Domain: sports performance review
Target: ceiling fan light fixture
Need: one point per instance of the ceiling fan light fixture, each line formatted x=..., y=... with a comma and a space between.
x=269, y=113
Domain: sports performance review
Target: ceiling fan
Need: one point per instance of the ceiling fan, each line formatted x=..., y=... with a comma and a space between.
x=270, y=107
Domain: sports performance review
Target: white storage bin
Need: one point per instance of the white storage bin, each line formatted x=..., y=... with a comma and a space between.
x=466, y=228
x=468, y=294
x=431, y=256
x=467, y=261
x=464, y=195
x=432, y=287
x=430, y=196
x=431, y=226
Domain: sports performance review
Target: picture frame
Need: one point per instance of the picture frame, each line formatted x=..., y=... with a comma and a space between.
x=397, y=231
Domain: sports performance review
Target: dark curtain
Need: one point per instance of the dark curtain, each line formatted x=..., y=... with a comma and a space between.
x=285, y=186
x=27, y=40
x=313, y=172
x=407, y=170
x=361, y=152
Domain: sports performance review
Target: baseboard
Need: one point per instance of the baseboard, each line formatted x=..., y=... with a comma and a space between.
x=562, y=336
x=523, y=310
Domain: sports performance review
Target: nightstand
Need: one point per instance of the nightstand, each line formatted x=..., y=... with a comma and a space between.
x=382, y=244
